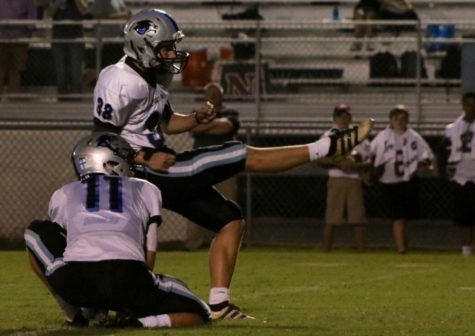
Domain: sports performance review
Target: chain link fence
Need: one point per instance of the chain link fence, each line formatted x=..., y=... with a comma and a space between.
x=285, y=76
x=39, y=163
x=281, y=209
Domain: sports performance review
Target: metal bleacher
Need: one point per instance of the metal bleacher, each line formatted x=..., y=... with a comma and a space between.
x=309, y=66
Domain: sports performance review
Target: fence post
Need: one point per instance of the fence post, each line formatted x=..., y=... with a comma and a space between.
x=258, y=71
x=248, y=197
x=98, y=26
x=418, y=74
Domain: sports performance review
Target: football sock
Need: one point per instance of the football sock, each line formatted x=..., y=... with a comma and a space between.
x=154, y=321
x=218, y=295
x=319, y=149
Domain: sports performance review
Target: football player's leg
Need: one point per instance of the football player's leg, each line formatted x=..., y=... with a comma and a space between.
x=356, y=213
x=464, y=197
x=400, y=233
x=188, y=190
x=398, y=196
x=277, y=159
x=223, y=254
x=209, y=209
x=159, y=300
x=198, y=168
x=334, y=210
x=212, y=211
x=45, y=243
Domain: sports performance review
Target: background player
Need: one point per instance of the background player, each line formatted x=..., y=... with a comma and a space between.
x=131, y=99
x=460, y=145
x=398, y=152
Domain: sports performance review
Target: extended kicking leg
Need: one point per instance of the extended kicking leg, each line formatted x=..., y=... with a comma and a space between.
x=277, y=159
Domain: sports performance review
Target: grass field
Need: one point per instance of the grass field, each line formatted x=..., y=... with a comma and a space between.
x=290, y=292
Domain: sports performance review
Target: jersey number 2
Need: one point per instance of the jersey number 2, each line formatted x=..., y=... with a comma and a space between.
x=399, y=164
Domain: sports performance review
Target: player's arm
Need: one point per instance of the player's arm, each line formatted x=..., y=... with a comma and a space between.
x=151, y=246
x=179, y=123
x=348, y=163
x=151, y=242
x=217, y=126
x=375, y=172
x=446, y=168
x=156, y=160
x=375, y=156
x=152, y=199
x=426, y=159
x=163, y=159
x=328, y=162
x=222, y=124
x=425, y=165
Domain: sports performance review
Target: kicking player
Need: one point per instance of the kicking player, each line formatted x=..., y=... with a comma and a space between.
x=91, y=253
x=131, y=99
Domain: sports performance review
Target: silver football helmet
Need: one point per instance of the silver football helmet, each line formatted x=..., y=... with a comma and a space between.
x=102, y=153
x=147, y=34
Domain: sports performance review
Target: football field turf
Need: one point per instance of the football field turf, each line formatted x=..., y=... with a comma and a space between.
x=290, y=292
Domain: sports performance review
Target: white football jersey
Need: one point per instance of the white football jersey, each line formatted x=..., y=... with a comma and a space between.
x=130, y=103
x=107, y=217
x=462, y=140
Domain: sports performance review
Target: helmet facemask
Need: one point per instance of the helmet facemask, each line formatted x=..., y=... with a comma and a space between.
x=114, y=168
x=163, y=63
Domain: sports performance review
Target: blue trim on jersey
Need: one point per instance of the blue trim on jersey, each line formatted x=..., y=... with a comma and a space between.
x=57, y=263
x=156, y=139
x=35, y=244
x=92, y=199
x=115, y=195
x=204, y=161
x=210, y=154
x=171, y=284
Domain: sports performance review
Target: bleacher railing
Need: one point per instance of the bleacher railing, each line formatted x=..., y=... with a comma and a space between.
x=288, y=60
